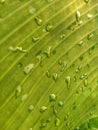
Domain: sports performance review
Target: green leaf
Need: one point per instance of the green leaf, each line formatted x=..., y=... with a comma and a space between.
x=48, y=64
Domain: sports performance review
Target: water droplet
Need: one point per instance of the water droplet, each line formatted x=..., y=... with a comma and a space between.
x=48, y=120
x=89, y=16
x=43, y=109
x=2, y=1
x=75, y=78
x=62, y=36
x=82, y=77
x=38, y=20
x=32, y=10
x=49, y=27
x=80, y=43
x=60, y=103
x=48, y=74
x=78, y=15
x=24, y=97
x=85, y=82
x=31, y=107
x=90, y=36
x=60, y=62
x=55, y=111
x=47, y=52
x=18, y=91
x=55, y=76
x=86, y=1
x=68, y=81
x=43, y=124
x=57, y=122
x=30, y=129
x=52, y=97
x=80, y=22
x=28, y=68
x=77, y=128
x=76, y=70
x=63, y=66
x=39, y=58
x=79, y=68
x=35, y=38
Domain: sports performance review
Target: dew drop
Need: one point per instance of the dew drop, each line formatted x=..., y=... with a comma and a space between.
x=89, y=16
x=32, y=10
x=78, y=15
x=48, y=74
x=18, y=91
x=68, y=81
x=38, y=20
x=62, y=36
x=86, y=1
x=80, y=43
x=35, y=38
x=55, y=76
x=60, y=103
x=52, y=97
x=90, y=36
x=28, y=68
x=47, y=52
x=85, y=82
x=57, y=122
x=48, y=120
x=24, y=97
x=2, y=1
x=60, y=62
x=43, y=109
x=31, y=107
x=49, y=27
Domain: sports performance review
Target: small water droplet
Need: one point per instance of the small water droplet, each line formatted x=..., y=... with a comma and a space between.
x=60, y=103
x=49, y=27
x=55, y=112
x=35, y=38
x=18, y=91
x=43, y=109
x=60, y=62
x=89, y=16
x=57, y=122
x=38, y=20
x=55, y=76
x=48, y=120
x=85, y=82
x=28, y=68
x=31, y=107
x=2, y=1
x=47, y=52
x=90, y=36
x=80, y=43
x=62, y=36
x=48, y=74
x=30, y=129
x=86, y=1
x=39, y=58
x=64, y=65
x=52, y=97
x=24, y=97
x=78, y=15
x=68, y=81
x=32, y=10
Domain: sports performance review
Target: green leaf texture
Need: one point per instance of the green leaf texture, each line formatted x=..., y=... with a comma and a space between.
x=49, y=64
